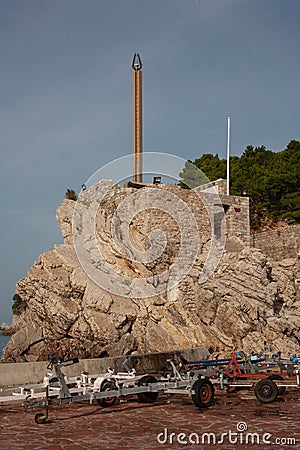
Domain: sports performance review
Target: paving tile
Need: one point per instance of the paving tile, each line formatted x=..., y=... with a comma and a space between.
x=133, y=425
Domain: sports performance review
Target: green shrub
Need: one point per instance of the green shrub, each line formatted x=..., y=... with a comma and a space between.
x=71, y=195
x=19, y=305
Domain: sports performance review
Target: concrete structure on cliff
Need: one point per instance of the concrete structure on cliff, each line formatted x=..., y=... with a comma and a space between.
x=237, y=216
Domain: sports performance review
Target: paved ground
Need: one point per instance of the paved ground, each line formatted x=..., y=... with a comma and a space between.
x=132, y=425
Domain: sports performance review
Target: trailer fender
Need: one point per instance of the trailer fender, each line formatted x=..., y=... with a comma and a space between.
x=97, y=384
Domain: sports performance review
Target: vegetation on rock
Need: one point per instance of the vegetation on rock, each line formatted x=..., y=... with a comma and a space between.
x=19, y=305
x=71, y=195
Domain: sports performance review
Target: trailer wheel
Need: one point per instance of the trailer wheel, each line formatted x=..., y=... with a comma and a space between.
x=266, y=391
x=276, y=376
x=204, y=393
x=40, y=418
x=147, y=397
x=107, y=401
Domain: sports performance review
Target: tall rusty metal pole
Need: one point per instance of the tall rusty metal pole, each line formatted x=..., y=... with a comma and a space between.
x=137, y=118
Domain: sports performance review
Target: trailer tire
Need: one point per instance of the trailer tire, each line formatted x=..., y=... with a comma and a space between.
x=266, y=391
x=276, y=376
x=40, y=418
x=147, y=397
x=108, y=401
x=204, y=393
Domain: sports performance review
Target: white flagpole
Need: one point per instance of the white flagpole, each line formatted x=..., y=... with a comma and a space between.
x=228, y=152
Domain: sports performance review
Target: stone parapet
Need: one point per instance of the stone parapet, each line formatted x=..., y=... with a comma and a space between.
x=18, y=374
x=278, y=244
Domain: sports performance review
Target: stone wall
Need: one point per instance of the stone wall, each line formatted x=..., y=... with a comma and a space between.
x=205, y=203
x=18, y=374
x=278, y=244
x=237, y=220
x=236, y=212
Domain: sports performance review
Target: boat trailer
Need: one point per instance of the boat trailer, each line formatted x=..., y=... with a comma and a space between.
x=196, y=379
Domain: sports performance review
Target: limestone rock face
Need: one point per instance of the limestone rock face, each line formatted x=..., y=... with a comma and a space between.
x=247, y=300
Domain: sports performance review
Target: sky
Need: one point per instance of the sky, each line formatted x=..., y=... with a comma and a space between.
x=66, y=105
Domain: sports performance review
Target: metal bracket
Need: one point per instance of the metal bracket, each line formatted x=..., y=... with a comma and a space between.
x=137, y=62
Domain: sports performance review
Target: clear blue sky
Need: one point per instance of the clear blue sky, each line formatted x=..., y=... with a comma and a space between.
x=66, y=96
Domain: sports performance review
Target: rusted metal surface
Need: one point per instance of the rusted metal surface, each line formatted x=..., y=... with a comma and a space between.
x=137, y=120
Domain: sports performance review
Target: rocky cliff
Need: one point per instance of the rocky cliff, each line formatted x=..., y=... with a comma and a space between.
x=247, y=300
